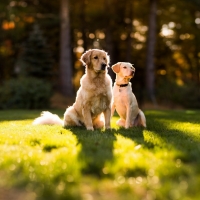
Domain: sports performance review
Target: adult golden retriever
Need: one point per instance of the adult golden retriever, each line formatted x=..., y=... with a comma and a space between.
x=92, y=107
x=124, y=101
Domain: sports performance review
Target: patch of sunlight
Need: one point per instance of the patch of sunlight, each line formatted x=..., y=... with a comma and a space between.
x=186, y=127
x=156, y=112
x=29, y=158
x=151, y=138
x=129, y=158
x=162, y=72
x=179, y=82
x=122, y=144
x=79, y=49
x=186, y=36
x=197, y=20
x=166, y=31
x=190, y=112
x=113, y=122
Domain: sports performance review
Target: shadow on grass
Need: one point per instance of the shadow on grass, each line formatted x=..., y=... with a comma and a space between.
x=10, y=115
x=96, y=149
x=166, y=125
x=135, y=134
x=191, y=116
x=97, y=146
x=169, y=125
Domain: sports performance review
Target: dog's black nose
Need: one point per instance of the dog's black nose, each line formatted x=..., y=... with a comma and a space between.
x=103, y=66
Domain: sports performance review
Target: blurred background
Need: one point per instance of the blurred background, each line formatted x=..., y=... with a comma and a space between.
x=41, y=42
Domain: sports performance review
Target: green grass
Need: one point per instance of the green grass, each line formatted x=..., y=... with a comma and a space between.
x=160, y=162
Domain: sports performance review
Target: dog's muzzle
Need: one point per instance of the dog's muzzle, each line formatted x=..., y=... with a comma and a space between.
x=132, y=73
x=103, y=66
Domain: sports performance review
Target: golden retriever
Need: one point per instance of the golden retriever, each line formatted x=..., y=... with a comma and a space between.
x=92, y=107
x=124, y=101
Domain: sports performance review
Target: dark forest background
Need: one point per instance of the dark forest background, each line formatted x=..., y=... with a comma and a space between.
x=41, y=42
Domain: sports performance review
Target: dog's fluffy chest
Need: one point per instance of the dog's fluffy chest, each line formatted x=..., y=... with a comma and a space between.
x=97, y=94
x=99, y=103
x=100, y=100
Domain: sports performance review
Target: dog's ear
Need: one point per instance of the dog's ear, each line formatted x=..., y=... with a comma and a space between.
x=108, y=59
x=133, y=67
x=85, y=58
x=116, y=67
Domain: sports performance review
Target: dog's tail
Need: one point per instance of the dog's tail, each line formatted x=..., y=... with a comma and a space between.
x=140, y=119
x=48, y=118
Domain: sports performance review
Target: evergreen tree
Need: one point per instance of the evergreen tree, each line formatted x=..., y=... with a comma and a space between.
x=36, y=57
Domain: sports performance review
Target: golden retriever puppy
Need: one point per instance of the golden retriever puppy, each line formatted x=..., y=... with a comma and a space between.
x=124, y=101
x=92, y=107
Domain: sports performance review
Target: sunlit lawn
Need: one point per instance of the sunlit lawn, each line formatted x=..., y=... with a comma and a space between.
x=52, y=163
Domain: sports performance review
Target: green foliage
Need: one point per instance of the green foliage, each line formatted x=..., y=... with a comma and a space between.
x=49, y=162
x=29, y=93
x=192, y=97
x=37, y=58
x=169, y=92
x=92, y=27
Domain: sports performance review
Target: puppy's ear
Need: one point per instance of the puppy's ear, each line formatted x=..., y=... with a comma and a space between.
x=116, y=67
x=85, y=58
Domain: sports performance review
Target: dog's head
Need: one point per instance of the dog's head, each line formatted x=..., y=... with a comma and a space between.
x=124, y=69
x=96, y=59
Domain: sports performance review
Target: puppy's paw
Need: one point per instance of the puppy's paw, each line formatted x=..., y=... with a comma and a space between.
x=127, y=127
x=108, y=127
x=90, y=128
x=121, y=122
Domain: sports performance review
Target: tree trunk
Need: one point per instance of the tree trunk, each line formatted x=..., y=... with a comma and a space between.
x=109, y=37
x=66, y=73
x=151, y=40
x=83, y=24
x=129, y=31
x=197, y=44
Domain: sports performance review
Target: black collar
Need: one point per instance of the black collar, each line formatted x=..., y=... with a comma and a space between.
x=122, y=85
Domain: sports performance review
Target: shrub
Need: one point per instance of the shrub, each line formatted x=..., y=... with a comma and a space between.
x=192, y=97
x=187, y=95
x=28, y=93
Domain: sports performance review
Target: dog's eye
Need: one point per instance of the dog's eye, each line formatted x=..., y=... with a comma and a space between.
x=124, y=67
x=104, y=58
x=96, y=57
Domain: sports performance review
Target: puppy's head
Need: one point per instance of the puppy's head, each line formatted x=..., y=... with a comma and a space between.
x=96, y=60
x=124, y=69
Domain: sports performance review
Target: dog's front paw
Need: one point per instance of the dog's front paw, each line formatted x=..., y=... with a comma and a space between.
x=90, y=128
x=108, y=127
x=127, y=127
